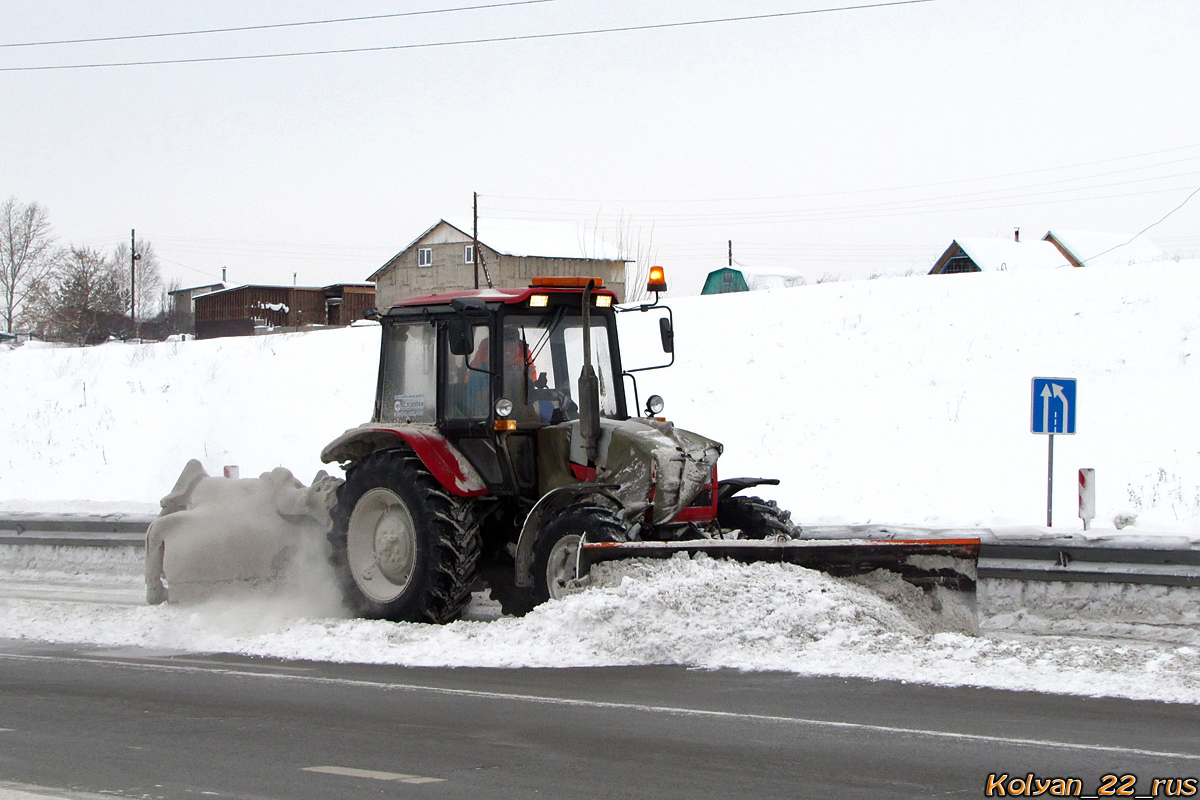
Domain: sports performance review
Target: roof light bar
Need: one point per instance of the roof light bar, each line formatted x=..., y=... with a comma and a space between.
x=556, y=282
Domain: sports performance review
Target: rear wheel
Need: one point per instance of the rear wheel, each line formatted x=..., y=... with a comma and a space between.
x=404, y=549
x=754, y=517
x=555, y=556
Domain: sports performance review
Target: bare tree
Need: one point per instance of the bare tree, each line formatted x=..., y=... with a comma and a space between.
x=27, y=256
x=634, y=246
x=85, y=300
x=149, y=277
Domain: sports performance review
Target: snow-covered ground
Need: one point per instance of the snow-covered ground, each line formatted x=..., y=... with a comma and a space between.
x=903, y=401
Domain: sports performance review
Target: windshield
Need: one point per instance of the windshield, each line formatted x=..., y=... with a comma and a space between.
x=542, y=359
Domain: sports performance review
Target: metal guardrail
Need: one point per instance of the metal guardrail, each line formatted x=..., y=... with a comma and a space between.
x=1058, y=559
x=112, y=530
x=1048, y=560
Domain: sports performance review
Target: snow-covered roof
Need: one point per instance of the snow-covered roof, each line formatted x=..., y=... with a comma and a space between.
x=1092, y=249
x=210, y=286
x=773, y=278
x=1006, y=255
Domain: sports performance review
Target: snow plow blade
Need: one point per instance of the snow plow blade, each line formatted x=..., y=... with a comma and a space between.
x=926, y=563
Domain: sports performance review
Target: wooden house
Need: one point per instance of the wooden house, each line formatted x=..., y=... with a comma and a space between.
x=241, y=310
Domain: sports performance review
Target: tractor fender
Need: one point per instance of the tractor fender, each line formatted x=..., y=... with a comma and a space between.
x=442, y=459
x=551, y=502
x=730, y=486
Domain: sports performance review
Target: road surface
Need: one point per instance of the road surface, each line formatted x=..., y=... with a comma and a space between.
x=134, y=723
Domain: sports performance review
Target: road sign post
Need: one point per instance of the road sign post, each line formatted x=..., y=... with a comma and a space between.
x=1053, y=410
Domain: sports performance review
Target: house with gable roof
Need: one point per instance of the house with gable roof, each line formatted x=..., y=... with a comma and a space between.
x=997, y=255
x=1056, y=249
x=443, y=259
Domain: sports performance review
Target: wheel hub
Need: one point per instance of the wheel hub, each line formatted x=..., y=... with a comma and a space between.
x=562, y=566
x=394, y=542
x=381, y=545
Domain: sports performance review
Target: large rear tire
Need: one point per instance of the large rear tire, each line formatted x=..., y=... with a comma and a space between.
x=754, y=517
x=404, y=549
x=555, y=556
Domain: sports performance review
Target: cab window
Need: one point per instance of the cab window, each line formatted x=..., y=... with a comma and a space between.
x=407, y=379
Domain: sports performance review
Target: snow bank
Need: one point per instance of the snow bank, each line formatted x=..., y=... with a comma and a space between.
x=902, y=400
x=907, y=400
x=701, y=613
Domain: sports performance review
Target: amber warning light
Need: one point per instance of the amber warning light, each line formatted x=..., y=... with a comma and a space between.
x=658, y=280
x=563, y=282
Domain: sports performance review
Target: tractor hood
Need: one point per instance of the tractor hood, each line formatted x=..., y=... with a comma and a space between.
x=658, y=467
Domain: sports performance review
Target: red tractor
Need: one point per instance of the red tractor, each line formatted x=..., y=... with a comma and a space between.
x=502, y=448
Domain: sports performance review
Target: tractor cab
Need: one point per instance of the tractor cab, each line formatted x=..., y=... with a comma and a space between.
x=490, y=369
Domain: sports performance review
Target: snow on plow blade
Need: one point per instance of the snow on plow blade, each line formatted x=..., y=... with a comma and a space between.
x=219, y=536
x=926, y=563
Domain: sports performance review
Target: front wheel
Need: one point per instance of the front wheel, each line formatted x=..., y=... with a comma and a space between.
x=754, y=517
x=556, y=554
x=404, y=549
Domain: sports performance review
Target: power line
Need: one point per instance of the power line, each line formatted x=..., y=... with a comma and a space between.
x=876, y=212
x=862, y=191
x=460, y=42
x=275, y=25
x=937, y=203
x=1148, y=227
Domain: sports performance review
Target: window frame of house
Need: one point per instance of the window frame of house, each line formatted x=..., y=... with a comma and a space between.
x=424, y=256
x=469, y=254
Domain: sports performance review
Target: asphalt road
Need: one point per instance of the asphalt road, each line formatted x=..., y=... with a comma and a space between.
x=138, y=724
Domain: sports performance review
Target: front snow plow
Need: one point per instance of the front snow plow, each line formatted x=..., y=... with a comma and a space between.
x=926, y=563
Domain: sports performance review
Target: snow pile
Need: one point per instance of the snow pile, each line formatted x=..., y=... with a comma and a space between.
x=702, y=612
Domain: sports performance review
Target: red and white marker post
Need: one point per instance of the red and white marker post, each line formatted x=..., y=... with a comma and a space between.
x=1087, y=496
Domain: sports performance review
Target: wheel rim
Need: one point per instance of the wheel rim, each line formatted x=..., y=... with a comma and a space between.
x=562, y=565
x=381, y=545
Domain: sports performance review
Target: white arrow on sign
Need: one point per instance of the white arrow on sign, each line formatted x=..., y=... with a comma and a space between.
x=1046, y=408
x=1066, y=414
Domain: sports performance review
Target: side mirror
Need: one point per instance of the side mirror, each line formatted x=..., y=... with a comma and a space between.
x=667, y=333
x=458, y=337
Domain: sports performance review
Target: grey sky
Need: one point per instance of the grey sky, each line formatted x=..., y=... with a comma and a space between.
x=855, y=142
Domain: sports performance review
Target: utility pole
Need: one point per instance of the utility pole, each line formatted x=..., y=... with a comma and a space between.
x=475, y=235
x=133, y=257
x=731, y=252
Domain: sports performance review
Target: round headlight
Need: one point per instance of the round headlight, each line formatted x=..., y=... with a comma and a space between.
x=654, y=405
x=503, y=407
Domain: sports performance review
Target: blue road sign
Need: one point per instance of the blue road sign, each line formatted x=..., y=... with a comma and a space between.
x=1053, y=405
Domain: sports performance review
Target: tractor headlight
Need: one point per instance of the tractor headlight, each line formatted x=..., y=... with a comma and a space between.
x=504, y=407
x=654, y=405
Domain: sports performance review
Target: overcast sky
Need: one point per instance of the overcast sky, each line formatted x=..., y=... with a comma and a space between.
x=848, y=142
